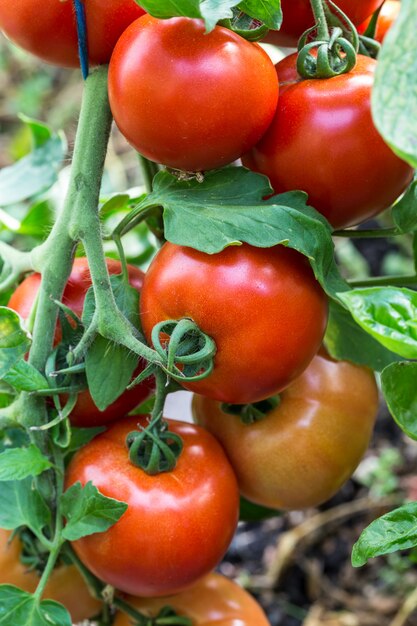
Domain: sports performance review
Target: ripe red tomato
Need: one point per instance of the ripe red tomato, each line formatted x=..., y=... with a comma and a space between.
x=178, y=525
x=189, y=100
x=387, y=16
x=214, y=601
x=262, y=306
x=85, y=412
x=323, y=141
x=65, y=585
x=298, y=17
x=47, y=28
x=303, y=451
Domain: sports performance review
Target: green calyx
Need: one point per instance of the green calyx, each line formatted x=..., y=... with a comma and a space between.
x=251, y=413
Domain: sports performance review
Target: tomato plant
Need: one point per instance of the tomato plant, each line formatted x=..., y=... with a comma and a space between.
x=298, y=17
x=85, y=413
x=66, y=584
x=387, y=16
x=211, y=83
x=257, y=355
x=172, y=533
x=351, y=174
x=215, y=600
x=305, y=448
x=49, y=30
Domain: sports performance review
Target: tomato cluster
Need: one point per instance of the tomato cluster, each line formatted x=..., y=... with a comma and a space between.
x=193, y=101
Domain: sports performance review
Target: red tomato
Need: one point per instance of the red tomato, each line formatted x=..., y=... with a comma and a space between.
x=178, y=525
x=65, y=585
x=47, y=28
x=262, y=306
x=323, y=141
x=303, y=451
x=298, y=17
x=387, y=16
x=189, y=100
x=214, y=601
x=85, y=412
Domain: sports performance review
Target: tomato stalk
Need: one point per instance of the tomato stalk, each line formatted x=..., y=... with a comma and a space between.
x=385, y=281
x=368, y=234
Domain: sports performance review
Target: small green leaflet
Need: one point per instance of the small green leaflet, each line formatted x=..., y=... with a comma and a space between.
x=14, y=340
x=347, y=341
x=268, y=11
x=25, y=377
x=19, y=463
x=35, y=172
x=388, y=314
x=87, y=511
x=18, y=608
x=394, y=96
x=394, y=531
x=22, y=505
x=228, y=209
x=400, y=392
x=404, y=212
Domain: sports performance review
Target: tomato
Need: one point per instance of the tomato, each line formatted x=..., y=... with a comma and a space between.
x=387, y=16
x=85, y=412
x=178, y=525
x=323, y=141
x=214, y=601
x=307, y=447
x=65, y=585
x=189, y=100
x=48, y=30
x=298, y=17
x=262, y=306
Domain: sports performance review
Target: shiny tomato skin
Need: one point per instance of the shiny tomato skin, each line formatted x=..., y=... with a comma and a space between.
x=323, y=141
x=85, y=412
x=305, y=449
x=65, y=585
x=262, y=306
x=178, y=525
x=190, y=100
x=213, y=601
x=298, y=17
x=386, y=18
x=47, y=29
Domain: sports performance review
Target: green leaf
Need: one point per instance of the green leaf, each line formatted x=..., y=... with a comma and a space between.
x=38, y=220
x=228, y=209
x=394, y=96
x=404, y=212
x=387, y=314
x=213, y=11
x=19, y=608
x=394, y=531
x=25, y=377
x=40, y=132
x=116, y=203
x=33, y=174
x=19, y=463
x=400, y=392
x=267, y=11
x=109, y=369
x=81, y=436
x=14, y=340
x=250, y=512
x=346, y=341
x=22, y=505
x=171, y=8
x=87, y=511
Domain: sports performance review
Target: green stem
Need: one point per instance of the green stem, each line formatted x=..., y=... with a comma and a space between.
x=368, y=234
x=149, y=170
x=385, y=281
x=320, y=18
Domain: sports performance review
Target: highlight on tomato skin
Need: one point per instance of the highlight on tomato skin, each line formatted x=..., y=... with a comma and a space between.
x=218, y=98
x=263, y=308
x=178, y=524
x=85, y=413
x=323, y=141
x=302, y=452
x=298, y=17
x=66, y=585
x=213, y=601
x=47, y=28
